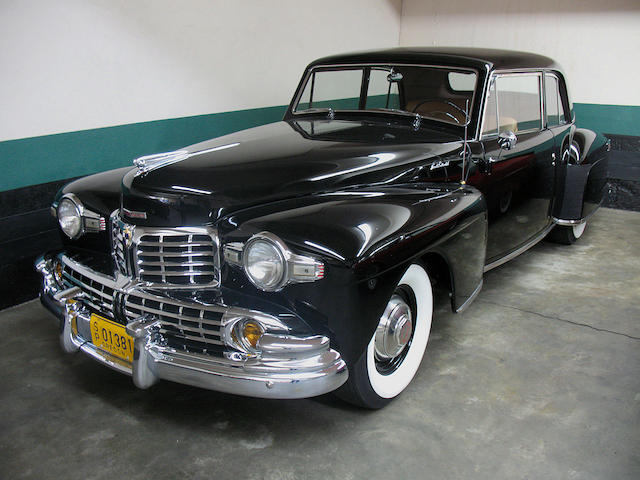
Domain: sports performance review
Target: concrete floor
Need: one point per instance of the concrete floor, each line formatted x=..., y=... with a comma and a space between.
x=540, y=378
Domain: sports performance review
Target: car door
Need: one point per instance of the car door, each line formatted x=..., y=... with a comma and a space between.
x=567, y=152
x=558, y=120
x=518, y=175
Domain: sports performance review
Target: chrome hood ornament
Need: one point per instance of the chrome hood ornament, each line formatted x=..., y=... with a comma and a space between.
x=157, y=160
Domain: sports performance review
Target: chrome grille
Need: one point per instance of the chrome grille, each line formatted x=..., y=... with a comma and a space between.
x=178, y=258
x=185, y=326
x=118, y=243
x=97, y=295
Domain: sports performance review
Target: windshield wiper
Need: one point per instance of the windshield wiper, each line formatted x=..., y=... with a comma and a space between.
x=331, y=113
x=313, y=110
x=392, y=110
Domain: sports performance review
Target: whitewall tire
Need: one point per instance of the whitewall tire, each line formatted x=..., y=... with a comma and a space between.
x=578, y=230
x=396, y=348
x=567, y=234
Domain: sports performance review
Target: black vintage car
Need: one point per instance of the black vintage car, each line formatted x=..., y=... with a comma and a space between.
x=299, y=257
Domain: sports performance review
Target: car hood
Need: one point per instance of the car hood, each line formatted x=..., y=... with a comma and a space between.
x=206, y=181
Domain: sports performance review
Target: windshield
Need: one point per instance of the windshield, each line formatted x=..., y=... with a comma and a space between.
x=439, y=93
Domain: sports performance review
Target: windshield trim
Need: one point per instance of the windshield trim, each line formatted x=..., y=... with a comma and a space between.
x=355, y=66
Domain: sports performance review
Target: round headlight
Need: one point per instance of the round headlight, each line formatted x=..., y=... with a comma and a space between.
x=69, y=218
x=264, y=263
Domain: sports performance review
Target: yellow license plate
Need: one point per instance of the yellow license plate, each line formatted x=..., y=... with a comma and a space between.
x=111, y=337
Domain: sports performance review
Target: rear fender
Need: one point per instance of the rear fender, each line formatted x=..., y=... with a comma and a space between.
x=581, y=186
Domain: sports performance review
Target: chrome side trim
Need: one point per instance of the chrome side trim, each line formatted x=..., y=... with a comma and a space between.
x=471, y=298
x=519, y=250
x=568, y=223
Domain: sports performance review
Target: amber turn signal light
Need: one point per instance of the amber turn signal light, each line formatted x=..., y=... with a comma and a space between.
x=57, y=271
x=252, y=332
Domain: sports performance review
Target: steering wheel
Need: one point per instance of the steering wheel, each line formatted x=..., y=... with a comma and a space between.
x=439, y=100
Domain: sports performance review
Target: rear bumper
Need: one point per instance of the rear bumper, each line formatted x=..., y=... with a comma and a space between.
x=287, y=367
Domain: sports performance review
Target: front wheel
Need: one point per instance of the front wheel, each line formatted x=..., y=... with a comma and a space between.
x=396, y=348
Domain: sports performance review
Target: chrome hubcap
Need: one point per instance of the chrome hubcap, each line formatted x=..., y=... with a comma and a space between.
x=394, y=330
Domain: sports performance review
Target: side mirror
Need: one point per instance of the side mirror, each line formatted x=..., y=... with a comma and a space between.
x=507, y=140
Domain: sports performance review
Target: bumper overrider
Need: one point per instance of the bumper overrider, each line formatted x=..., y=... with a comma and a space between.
x=284, y=366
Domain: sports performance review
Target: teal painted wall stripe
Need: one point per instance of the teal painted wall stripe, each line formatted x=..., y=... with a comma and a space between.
x=31, y=161
x=615, y=119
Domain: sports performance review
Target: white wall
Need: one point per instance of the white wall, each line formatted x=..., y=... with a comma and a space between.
x=597, y=42
x=78, y=64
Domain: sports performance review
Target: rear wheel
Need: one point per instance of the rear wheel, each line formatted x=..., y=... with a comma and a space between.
x=567, y=235
x=396, y=348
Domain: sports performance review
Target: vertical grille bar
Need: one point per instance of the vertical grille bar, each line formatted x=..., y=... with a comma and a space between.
x=179, y=257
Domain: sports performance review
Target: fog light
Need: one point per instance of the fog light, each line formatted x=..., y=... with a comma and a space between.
x=246, y=334
x=252, y=332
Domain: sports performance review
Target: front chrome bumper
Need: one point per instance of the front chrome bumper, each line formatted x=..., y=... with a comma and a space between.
x=287, y=366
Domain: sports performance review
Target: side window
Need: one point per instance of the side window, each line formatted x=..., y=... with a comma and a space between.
x=518, y=98
x=379, y=88
x=552, y=100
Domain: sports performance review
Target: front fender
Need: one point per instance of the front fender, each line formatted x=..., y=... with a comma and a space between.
x=367, y=238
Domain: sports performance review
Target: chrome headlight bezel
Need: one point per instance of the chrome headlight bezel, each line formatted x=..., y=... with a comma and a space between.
x=295, y=268
x=76, y=207
x=89, y=221
x=280, y=256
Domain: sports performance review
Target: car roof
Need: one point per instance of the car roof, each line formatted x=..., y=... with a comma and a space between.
x=479, y=58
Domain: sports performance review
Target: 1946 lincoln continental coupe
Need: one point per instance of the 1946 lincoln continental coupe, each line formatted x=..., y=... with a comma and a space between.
x=298, y=258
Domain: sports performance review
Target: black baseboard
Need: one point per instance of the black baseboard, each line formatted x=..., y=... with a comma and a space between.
x=27, y=199
x=27, y=229
x=624, y=143
x=623, y=195
x=19, y=282
x=624, y=173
